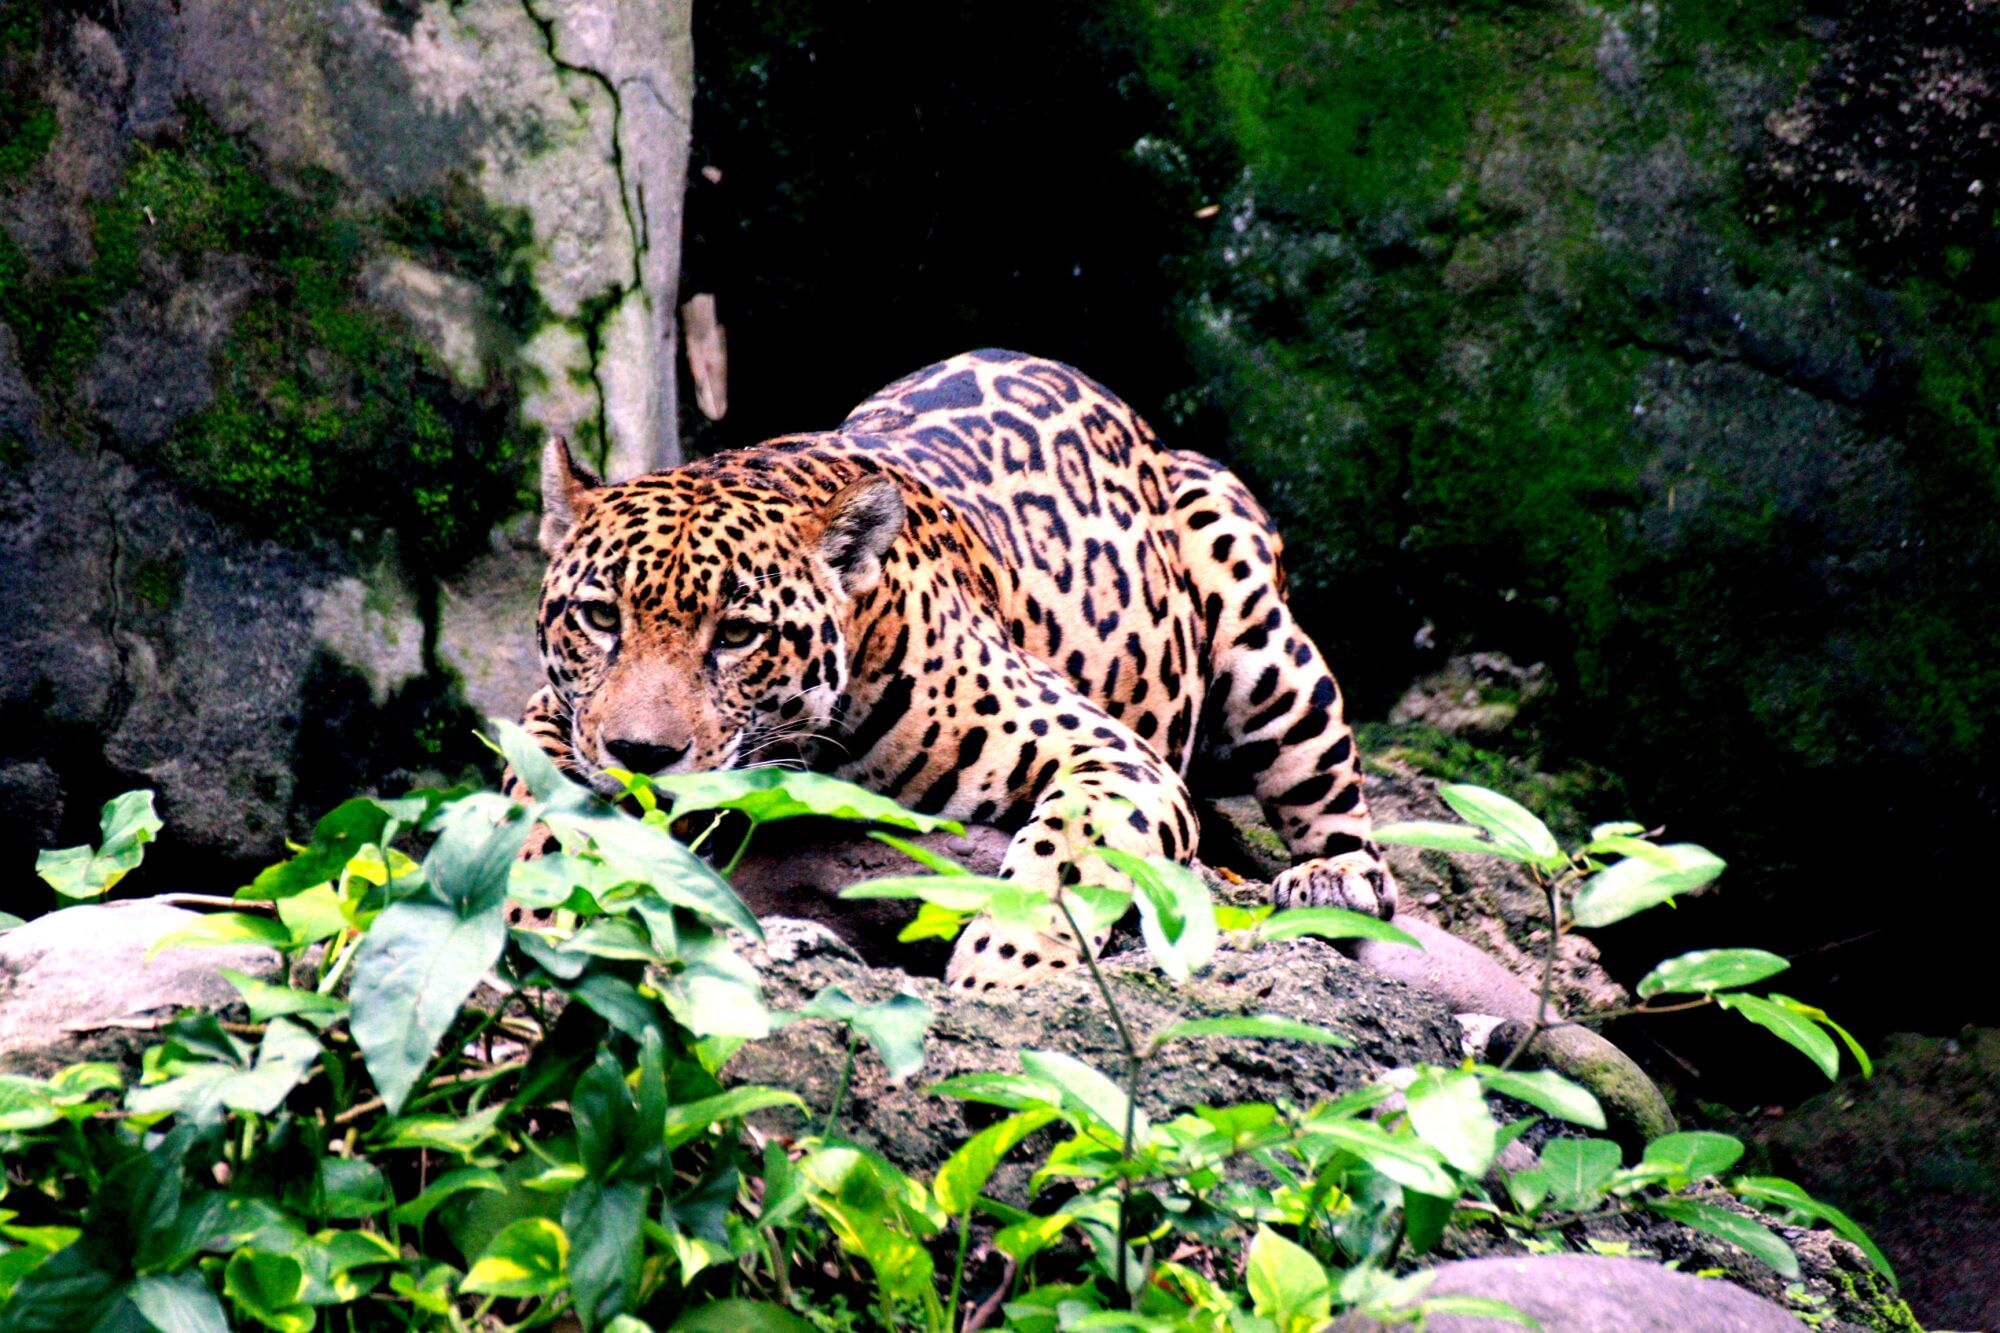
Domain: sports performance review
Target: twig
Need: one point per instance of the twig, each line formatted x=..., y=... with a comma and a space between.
x=983, y=1314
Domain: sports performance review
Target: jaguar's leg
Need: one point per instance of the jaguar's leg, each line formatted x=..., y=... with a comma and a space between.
x=1273, y=716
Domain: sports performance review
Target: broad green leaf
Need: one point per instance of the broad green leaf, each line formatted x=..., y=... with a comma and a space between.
x=351, y=1187
x=1273, y=1026
x=1438, y=836
x=1287, y=1285
x=459, y=1134
x=768, y=794
x=337, y=839
x=528, y=1258
x=1514, y=827
x=538, y=773
x=444, y=1188
x=1016, y=1092
x=1176, y=911
x=269, y=1288
x=1784, y=1194
x=1819, y=1016
x=932, y=923
x=689, y=1120
x=895, y=1027
x=285, y=1056
x=605, y=1223
x=1425, y=1216
x=268, y=1000
x=25, y=1104
x=1085, y=1090
x=1790, y=1026
x=1711, y=970
x=125, y=825
x=1576, y=1171
x=923, y=856
x=225, y=928
x=1332, y=923
x=1691, y=1156
x=1410, y=1162
x=716, y=992
x=1448, y=1112
x=967, y=1170
x=954, y=893
x=418, y=964
x=735, y=1316
x=1621, y=829
x=1023, y=1240
x=179, y=1302
x=637, y=851
x=1547, y=1090
x=1636, y=883
x=1752, y=1237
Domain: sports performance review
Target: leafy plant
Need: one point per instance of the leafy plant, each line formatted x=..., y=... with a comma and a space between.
x=438, y=1120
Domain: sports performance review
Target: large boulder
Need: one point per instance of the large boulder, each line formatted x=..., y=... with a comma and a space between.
x=288, y=296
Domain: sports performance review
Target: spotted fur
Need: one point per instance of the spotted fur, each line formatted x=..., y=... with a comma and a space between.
x=990, y=594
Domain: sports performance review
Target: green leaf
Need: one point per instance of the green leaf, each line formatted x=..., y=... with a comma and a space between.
x=689, y=1120
x=1023, y=1240
x=1708, y=970
x=1476, y=1307
x=459, y=1134
x=1448, y=1112
x=1016, y=1092
x=1287, y=1285
x=1576, y=1171
x=1273, y=1026
x=1086, y=1091
x=351, y=1187
x=1548, y=1091
x=528, y=1258
x=1425, y=1216
x=738, y=1316
x=1514, y=827
x=605, y=1222
x=268, y=1000
x=444, y=1188
x=638, y=851
x=125, y=825
x=895, y=1027
x=1410, y=1162
x=269, y=1288
x=768, y=794
x=337, y=838
x=954, y=893
x=226, y=928
x=1785, y=1195
x=923, y=856
x=1819, y=1016
x=1637, y=883
x=25, y=1104
x=200, y=1094
x=1791, y=1027
x=179, y=1302
x=967, y=1170
x=1752, y=1237
x=1332, y=923
x=1691, y=1156
x=1176, y=911
x=1438, y=836
x=418, y=964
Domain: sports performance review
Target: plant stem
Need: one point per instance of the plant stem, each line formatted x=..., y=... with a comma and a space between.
x=1550, y=891
x=1133, y=1063
x=958, y=1270
x=840, y=1088
x=1636, y=1010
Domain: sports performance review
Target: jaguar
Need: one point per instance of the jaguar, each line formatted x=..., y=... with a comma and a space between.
x=990, y=593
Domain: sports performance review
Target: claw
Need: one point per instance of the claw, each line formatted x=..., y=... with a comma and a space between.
x=1355, y=881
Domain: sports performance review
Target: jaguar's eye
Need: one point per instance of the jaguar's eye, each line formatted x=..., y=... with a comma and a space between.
x=737, y=633
x=600, y=616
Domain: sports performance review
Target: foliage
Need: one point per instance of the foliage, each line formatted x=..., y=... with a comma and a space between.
x=439, y=1121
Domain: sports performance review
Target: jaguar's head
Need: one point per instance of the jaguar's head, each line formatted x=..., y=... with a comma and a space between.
x=691, y=620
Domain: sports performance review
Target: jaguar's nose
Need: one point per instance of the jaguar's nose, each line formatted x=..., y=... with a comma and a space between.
x=644, y=757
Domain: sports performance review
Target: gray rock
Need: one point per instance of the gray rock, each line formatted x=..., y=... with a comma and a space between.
x=77, y=985
x=1585, y=1293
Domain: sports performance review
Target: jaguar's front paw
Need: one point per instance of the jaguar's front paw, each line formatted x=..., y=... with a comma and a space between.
x=1355, y=880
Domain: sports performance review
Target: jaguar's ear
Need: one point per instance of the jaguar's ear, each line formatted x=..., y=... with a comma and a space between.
x=565, y=491
x=857, y=525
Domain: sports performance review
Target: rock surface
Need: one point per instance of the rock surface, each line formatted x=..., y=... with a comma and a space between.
x=78, y=985
x=1587, y=1293
x=287, y=298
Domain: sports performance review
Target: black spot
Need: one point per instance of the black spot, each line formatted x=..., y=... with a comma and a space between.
x=1007, y=951
x=1030, y=959
x=1347, y=800
x=1308, y=791
x=979, y=945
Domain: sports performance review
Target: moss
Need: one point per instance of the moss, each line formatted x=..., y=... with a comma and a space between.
x=27, y=128
x=329, y=415
x=1569, y=801
x=157, y=583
